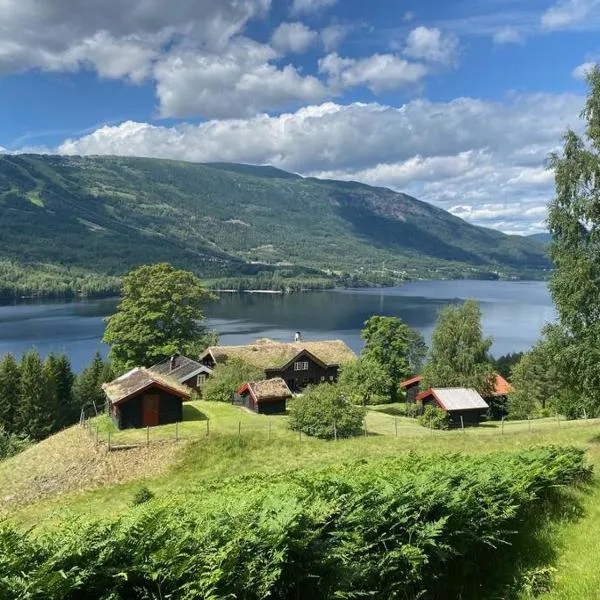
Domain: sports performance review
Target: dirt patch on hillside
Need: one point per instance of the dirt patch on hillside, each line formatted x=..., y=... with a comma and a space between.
x=70, y=462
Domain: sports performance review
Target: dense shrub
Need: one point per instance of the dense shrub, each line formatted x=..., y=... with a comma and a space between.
x=323, y=412
x=11, y=443
x=142, y=496
x=406, y=527
x=228, y=378
x=434, y=417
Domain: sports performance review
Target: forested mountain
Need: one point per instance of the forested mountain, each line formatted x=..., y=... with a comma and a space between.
x=542, y=238
x=78, y=223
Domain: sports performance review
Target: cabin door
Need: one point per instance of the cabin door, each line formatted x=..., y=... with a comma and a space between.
x=150, y=410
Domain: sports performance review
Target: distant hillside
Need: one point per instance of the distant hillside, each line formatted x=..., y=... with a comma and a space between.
x=79, y=223
x=542, y=238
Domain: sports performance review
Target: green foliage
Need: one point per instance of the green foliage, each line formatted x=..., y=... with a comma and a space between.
x=391, y=343
x=574, y=222
x=87, y=389
x=35, y=415
x=37, y=398
x=99, y=217
x=459, y=355
x=11, y=443
x=435, y=418
x=406, y=527
x=227, y=378
x=503, y=365
x=10, y=380
x=159, y=315
x=365, y=381
x=536, y=379
x=143, y=495
x=324, y=412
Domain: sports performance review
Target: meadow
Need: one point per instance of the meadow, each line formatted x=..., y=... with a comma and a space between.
x=68, y=477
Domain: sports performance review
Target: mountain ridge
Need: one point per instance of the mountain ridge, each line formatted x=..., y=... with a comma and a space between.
x=101, y=216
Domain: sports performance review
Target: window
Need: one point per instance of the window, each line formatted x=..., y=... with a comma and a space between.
x=301, y=366
x=322, y=377
x=201, y=379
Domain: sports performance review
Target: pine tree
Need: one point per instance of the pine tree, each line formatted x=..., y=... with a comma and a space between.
x=51, y=400
x=68, y=412
x=34, y=417
x=88, y=385
x=9, y=393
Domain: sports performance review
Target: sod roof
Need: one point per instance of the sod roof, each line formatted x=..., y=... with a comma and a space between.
x=269, y=389
x=139, y=379
x=267, y=354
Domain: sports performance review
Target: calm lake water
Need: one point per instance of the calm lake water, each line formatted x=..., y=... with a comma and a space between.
x=513, y=313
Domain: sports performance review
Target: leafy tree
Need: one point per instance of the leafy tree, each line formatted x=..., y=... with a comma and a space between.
x=87, y=389
x=35, y=417
x=504, y=364
x=388, y=342
x=458, y=356
x=324, y=412
x=227, y=378
x=160, y=314
x=365, y=381
x=11, y=443
x=417, y=351
x=536, y=379
x=434, y=417
x=9, y=393
x=574, y=222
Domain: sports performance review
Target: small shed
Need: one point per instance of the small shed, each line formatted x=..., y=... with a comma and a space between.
x=142, y=398
x=185, y=370
x=268, y=397
x=465, y=406
x=411, y=387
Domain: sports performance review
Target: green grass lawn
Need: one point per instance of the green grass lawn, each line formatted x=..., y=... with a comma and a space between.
x=240, y=443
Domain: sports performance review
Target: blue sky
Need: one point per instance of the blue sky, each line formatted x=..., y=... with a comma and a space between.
x=457, y=102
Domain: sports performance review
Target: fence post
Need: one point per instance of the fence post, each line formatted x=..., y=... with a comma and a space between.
x=529, y=419
x=299, y=435
x=584, y=414
x=207, y=427
x=147, y=436
x=365, y=425
x=239, y=429
x=109, y=441
x=396, y=425
x=502, y=426
x=176, y=431
x=558, y=419
x=269, y=429
x=431, y=425
x=334, y=431
x=97, y=436
x=462, y=424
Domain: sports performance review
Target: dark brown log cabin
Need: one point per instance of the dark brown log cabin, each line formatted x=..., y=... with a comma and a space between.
x=411, y=387
x=267, y=397
x=185, y=370
x=141, y=398
x=465, y=406
x=299, y=364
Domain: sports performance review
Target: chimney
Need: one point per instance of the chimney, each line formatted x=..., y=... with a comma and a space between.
x=173, y=362
x=298, y=337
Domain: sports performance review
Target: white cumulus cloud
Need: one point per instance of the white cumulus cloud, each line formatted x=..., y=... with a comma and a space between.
x=293, y=37
x=310, y=6
x=582, y=71
x=431, y=45
x=508, y=35
x=379, y=72
x=566, y=14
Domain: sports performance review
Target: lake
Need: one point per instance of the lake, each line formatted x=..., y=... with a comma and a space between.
x=513, y=313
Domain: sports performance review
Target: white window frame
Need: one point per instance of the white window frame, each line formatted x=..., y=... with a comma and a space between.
x=301, y=365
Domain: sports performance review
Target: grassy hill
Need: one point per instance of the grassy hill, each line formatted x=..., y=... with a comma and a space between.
x=65, y=479
x=72, y=223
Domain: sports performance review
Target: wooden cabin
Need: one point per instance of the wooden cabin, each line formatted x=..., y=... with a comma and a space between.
x=268, y=397
x=142, y=398
x=185, y=370
x=411, y=387
x=299, y=364
x=465, y=406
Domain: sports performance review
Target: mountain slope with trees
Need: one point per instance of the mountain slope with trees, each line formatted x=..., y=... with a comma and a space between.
x=73, y=224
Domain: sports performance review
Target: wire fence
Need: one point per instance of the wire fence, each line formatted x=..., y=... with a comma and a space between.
x=104, y=434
